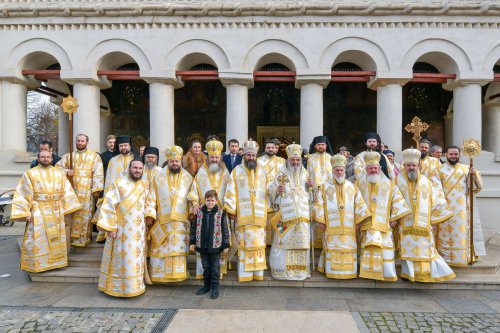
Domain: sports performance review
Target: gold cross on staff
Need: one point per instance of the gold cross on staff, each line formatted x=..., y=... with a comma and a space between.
x=416, y=127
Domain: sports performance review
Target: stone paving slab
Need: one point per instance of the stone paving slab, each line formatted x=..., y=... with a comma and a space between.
x=415, y=322
x=71, y=319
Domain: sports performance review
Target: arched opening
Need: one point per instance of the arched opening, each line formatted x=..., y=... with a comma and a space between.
x=200, y=106
x=350, y=110
x=274, y=105
x=428, y=101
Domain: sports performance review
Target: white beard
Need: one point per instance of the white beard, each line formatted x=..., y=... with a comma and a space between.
x=213, y=168
x=412, y=175
x=340, y=179
x=294, y=170
x=373, y=178
x=150, y=165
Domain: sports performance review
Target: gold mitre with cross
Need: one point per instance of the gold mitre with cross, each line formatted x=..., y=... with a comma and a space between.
x=372, y=158
x=250, y=146
x=293, y=150
x=411, y=155
x=338, y=161
x=174, y=152
x=214, y=147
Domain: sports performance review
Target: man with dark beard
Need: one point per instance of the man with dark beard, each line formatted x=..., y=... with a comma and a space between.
x=150, y=158
x=289, y=257
x=246, y=199
x=213, y=175
x=167, y=216
x=271, y=164
x=420, y=260
x=373, y=143
x=454, y=234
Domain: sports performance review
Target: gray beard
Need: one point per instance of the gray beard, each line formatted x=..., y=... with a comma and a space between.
x=294, y=170
x=339, y=180
x=150, y=165
x=213, y=168
x=412, y=175
x=250, y=164
x=373, y=178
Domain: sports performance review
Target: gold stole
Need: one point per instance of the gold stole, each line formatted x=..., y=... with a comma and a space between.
x=215, y=182
x=380, y=205
x=420, y=199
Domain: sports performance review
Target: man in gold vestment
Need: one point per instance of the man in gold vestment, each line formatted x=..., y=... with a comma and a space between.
x=387, y=206
x=320, y=170
x=429, y=165
x=42, y=197
x=420, y=260
x=150, y=158
x=247, y=200
x=289, y=258
x=167, y=217
x=271, y=164
x=342, y=210
x=453, y=239
x=88, y=182
x=122, y=218
x=213, y=175
x=373, y=143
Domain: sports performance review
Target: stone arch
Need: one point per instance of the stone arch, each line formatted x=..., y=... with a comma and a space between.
x=273, y=51
x=196, y=51
x=360, y=51
x=491, y=59
x=446, y=56
x=37, y=53
x=113, y=53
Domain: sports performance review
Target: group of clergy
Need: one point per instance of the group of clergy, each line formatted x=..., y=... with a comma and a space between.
x=419, y=215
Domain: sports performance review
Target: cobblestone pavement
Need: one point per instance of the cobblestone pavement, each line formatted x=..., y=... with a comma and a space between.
x=63, y=320
x=415, y=322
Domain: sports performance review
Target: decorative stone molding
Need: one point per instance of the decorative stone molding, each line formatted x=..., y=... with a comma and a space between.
x=321, y=79
x=245, y=79
x=197, y=8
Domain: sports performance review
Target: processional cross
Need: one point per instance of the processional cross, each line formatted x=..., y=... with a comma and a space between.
x=416, y=127
x=70, y=106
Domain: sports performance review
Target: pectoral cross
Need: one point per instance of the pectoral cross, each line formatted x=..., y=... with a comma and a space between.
x=416, y=127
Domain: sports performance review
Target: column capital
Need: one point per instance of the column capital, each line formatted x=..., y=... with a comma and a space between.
x=377, y=82
x=86, y=77
x=28, y=81
x=243, y=78
x=460, y=82
x=322, y=79
x=177, y=83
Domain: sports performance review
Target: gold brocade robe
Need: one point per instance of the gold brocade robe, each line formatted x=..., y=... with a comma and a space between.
x=453, y=239
x=343, y=209
x=88, y=180
x=271, y=166
x=124, y=257
x=45, y=194
x=150, y=173
x=359, y=166
x=289, y=256
x=168, y=205
x=246, y=197
x=429, y=167
x=386, y=204
x=320, y=170
x=420, y=259
x=117, y=167
x=205, y=181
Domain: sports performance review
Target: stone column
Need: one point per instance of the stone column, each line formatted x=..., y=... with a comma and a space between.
x=87, y=119
x=491, y=126
x=466, y=112
x=390, y=115
x=63, y=133
x=237, y=112
x=13, y=116
x=311, y=106
x=161, y=115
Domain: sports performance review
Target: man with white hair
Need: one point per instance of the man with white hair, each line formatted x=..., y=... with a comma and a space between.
x=420, y=260
x=167, y=218
x=289, y=258
x=150, y=158
x=213, y=175
x=345, y=209
x=387, y=206
x=246, y=199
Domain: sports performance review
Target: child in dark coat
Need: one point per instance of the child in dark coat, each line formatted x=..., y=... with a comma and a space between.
x=209, y=236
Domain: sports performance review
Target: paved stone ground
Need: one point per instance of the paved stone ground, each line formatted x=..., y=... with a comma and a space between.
x=430, y=322
x=373, y=310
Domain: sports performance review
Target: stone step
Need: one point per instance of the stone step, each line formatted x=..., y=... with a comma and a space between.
x=462, y=281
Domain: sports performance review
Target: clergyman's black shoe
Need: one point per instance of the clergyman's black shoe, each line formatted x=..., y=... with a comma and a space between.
x=214, y=294
x=203, y=290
